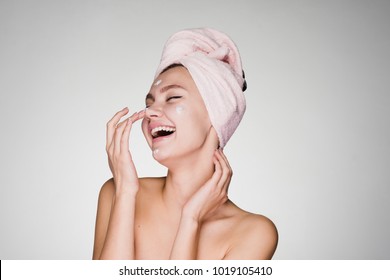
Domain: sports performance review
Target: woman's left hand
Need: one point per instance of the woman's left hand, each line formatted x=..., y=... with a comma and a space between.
x=213, y=193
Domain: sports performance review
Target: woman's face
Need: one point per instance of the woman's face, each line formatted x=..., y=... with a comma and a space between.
x=176, y=122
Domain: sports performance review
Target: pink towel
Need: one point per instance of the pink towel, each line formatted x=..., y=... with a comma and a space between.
x=214, y=63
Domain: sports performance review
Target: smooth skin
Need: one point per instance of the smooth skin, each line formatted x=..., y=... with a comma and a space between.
x=187, y=214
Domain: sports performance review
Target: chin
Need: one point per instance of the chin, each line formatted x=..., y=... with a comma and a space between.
x=165, y=155
x=179, y=155
x=160, y=156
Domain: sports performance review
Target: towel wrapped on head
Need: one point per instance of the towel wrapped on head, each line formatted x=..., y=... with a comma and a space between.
x=214, y=63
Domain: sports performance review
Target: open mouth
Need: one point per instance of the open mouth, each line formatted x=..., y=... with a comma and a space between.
x=162, y=131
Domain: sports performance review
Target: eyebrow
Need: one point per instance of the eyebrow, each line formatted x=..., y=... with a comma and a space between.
x=168, y=87
x=162, y=90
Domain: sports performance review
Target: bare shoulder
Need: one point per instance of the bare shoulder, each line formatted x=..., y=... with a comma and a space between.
x=107, y=190
x=254, y=237
x=151, y=183
x=103, y=215
x=146, y=184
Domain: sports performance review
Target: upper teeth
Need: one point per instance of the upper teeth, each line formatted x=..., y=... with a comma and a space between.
x=159, y=128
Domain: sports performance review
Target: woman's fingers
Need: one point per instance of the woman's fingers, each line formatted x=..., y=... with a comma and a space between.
x=126, y=133
x=118, y=133
x=217, y=172
x=227, y=173
x=225, y=159
x=111, y=125
x=118, y=137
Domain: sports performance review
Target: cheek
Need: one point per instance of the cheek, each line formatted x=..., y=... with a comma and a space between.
x=179, y=110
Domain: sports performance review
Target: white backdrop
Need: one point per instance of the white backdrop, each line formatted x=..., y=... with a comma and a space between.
x=312, y=152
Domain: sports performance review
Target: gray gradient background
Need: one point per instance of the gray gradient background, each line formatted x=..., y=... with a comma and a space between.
x=312, y=152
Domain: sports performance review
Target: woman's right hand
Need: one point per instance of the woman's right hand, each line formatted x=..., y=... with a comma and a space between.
x=213, y=193
x=119, y=157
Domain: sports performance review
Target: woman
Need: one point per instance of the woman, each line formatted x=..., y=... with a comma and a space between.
x=193, y=107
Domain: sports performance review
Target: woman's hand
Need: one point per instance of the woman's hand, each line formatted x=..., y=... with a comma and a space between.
x=119, y=157
x=203, y=202
x=213, y=193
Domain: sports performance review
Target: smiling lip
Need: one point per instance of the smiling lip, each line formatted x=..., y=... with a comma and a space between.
x=157, y=124
x=161, y=138
x=165, y=127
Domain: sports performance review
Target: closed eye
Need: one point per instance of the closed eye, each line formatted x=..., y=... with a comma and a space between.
x=174, y=97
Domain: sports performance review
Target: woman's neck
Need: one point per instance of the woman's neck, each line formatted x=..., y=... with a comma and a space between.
x=186, y=177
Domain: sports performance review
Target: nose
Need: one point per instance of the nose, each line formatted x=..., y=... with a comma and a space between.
x=153, y=111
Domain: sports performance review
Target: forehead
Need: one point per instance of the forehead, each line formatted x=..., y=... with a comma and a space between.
x=177, y=73
x=176, y=77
